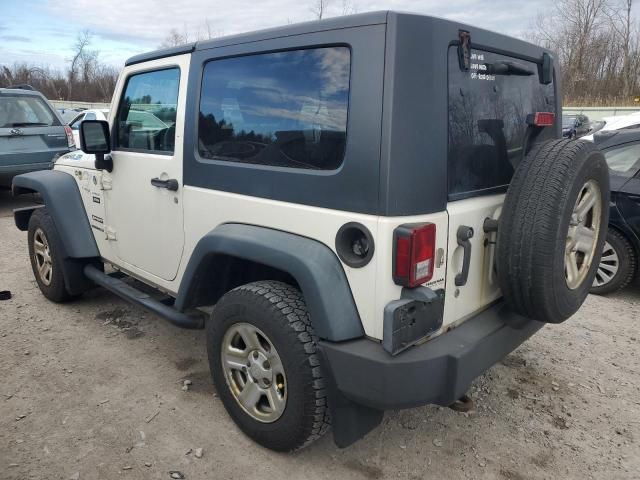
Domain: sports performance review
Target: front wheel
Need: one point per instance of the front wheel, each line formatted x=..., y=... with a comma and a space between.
x=617, y=266
x=45, y=252
x=265, y=366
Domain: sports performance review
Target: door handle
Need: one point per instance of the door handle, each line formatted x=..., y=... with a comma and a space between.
x=170, y=184
x=463, y=235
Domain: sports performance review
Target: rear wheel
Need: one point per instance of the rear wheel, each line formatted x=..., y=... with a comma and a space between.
x=263, y=359
x=617, y=266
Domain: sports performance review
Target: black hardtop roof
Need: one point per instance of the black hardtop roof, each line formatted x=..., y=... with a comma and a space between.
x=334, y=23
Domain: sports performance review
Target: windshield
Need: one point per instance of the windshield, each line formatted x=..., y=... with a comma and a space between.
x=488, y=109
x=568, y=122
x=624, y=160
x=25, y=111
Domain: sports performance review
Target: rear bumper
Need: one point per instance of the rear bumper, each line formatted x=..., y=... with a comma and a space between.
x=437, y=372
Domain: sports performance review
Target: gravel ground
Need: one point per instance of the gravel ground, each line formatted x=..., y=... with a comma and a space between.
x=93, y=390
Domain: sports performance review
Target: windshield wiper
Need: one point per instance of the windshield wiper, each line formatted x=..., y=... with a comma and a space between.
x=507, y=68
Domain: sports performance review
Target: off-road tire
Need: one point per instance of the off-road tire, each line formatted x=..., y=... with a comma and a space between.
x=534, y=224
x=56, y=290
x=279, y=311
x=627, y=264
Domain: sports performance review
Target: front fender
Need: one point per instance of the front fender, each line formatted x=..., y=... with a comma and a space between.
x=62, y=198
x=312, y=264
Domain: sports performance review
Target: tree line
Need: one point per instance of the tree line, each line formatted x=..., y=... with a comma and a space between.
x=597, y=43
x=85, y=78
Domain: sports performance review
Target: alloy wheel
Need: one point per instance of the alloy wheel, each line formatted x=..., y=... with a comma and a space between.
x=254, y=372
x=608, y=267
x=582, y=237
x=42, y=257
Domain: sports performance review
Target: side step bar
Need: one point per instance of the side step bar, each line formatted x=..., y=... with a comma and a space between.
x=137, y=297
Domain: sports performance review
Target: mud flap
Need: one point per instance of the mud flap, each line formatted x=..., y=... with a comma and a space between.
x=350, y=421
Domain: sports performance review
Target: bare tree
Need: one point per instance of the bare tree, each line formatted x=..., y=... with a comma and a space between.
x=174, y=38
x=621, y=21
x=82, y=42
x=349, y=7
x=54, y=84
x=319, y=8
x=597, y=47
x=203, y=32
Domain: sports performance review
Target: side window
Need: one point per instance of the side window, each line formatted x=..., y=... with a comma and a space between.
x=285, y=109
x=624, y=161
x=90, y=116
x=147, y=113
x=75, y=123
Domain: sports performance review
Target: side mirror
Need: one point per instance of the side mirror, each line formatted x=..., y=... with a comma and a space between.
x=95, y=139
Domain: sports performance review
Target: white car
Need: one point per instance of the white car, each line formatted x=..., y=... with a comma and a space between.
x=96, y=114
x=617, y=123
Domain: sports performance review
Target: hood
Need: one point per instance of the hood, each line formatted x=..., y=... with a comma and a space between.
x=77, y=159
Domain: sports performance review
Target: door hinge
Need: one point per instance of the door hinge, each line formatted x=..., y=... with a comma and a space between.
x=106, y=181
x=110, y=234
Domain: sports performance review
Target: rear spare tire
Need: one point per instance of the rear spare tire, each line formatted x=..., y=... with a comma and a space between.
x=552, y=229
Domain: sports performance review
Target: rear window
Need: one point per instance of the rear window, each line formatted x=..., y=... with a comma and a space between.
x=284, y=109
x=25, y=111
x=487, y=120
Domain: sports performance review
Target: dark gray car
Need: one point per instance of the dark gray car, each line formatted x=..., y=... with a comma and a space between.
x=32, y=134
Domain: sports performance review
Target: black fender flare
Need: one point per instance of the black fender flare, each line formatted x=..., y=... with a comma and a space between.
x=62, y=198
x=313, y=265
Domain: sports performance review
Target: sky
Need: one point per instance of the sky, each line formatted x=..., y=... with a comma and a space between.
x=42, y=32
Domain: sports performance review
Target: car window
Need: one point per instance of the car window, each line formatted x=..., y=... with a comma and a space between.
x=625, y=160
x=25, y=111
x=285, y=109
x=147, y=113
x=75, y=123
x=90, y=116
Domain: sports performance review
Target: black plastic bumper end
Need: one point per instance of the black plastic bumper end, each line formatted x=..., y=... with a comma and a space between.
x=437, y=372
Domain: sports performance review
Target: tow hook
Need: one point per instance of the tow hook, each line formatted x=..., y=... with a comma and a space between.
x=464, y=404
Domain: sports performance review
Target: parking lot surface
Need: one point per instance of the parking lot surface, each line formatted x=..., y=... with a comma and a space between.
x=93, y=389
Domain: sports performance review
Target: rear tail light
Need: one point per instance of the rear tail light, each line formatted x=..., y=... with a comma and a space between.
x=542, y=119
x=71, y=143
x=414, y=252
